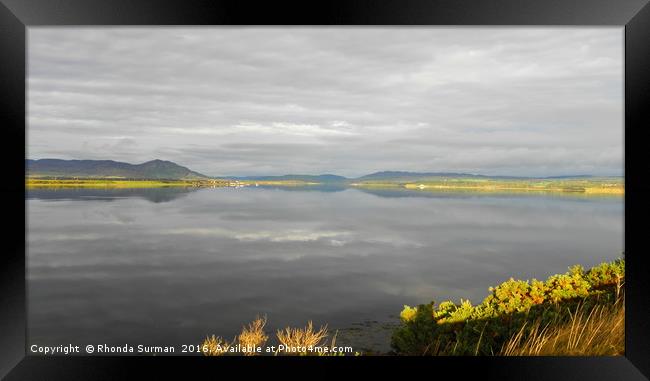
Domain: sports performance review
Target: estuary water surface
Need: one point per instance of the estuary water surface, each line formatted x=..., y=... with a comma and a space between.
x=169, y=266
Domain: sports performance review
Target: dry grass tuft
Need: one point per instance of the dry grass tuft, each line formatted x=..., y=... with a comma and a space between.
x=215, y=346
x=302, y=339
x=599, y=331
x=253, y=336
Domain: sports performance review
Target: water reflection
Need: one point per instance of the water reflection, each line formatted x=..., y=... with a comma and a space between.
x=155, y=195
x=209, y=260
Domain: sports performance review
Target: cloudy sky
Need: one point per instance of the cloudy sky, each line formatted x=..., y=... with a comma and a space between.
x=349, y=101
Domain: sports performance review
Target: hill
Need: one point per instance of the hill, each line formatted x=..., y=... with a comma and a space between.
x=167, y=170
x=403, y=176
x=412, y=176
x=154, y=169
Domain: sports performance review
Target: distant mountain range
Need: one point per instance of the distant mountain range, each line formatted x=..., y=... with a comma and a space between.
x=154, y=169
x=390, y=176
x=411, y=176
x=162, y=169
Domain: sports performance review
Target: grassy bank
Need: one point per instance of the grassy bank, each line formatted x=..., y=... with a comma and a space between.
x=591, y=186
x=577, y=313
x=281, y=183
x=31, y=183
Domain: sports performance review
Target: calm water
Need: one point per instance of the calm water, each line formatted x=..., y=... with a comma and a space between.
x=170, y=266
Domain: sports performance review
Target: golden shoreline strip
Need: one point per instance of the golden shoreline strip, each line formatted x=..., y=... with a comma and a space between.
x=572, y=187
x=496, y=188
x=35, y=183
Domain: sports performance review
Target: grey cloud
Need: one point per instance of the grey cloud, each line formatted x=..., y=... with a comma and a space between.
x=244, y=101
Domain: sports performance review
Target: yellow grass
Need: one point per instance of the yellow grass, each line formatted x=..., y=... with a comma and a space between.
x=31, y=183
x=251, y=340
x=215, y=346
x=302, y=338
x=253, y=336
x=599, y=331
x=595, y=190
x=606, y=190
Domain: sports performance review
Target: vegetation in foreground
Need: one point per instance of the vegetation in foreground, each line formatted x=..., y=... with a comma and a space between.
x=599, y=331
x=578, y=313
x=290, y=341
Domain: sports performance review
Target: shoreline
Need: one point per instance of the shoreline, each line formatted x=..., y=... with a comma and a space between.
x=576, y=187
x=577, y=313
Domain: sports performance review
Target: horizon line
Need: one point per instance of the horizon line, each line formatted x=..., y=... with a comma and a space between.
x=328, y=173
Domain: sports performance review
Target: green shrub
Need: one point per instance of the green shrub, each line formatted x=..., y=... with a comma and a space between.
x=606, y=274
x=566, y=286
x=464, y=329
x=416, y=335
x=511, y=296
x=408, y=313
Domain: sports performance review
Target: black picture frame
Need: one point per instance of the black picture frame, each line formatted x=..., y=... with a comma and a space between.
x=17, y=15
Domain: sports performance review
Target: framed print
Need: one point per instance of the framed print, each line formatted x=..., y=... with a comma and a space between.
x=417, y=185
